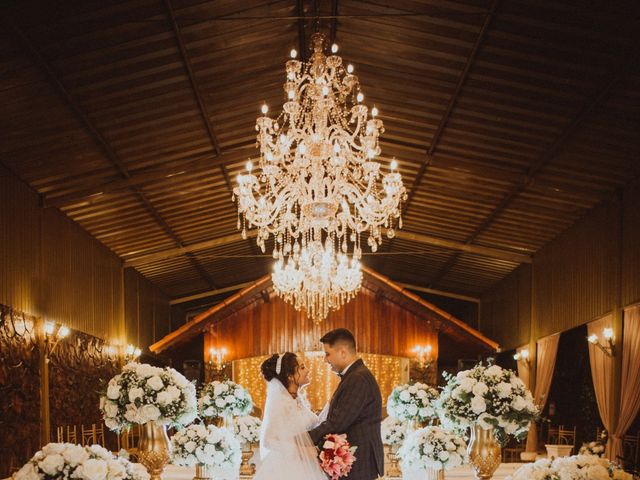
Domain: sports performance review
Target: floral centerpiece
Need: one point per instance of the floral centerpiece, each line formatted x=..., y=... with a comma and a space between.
x=69, y=461
x=393, y=431
x=488, y=396
x=432, y=448
x=206, y=445
x=247, y=429
x=412, y=402
x=142, y=393
x=576, y=467
x=592, y=448
x=336, y=456
x=224, y=399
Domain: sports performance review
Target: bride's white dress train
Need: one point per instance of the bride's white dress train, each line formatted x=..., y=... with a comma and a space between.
x=286, y=450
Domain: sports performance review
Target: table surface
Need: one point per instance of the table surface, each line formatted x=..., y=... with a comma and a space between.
x=173, y=472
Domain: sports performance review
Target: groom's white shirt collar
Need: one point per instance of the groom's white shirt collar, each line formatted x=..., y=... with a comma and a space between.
x=347, y=367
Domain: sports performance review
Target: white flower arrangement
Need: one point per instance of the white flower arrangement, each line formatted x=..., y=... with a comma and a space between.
x=393, y=431
x=247, y=429
x=142, y=393
x=488, y=396
x=592, y=448
x=69, y=461
x=224, y=399
x=412, y=402
x=432, y=448
x=206, y=445
x=576, y=467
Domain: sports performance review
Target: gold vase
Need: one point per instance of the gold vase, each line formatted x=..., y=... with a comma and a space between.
x=434, y=474
x=154, y=449
x=484, y=452
x=203, y=472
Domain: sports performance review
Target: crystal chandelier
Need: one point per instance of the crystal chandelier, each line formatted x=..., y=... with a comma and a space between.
x=317, y=187
x=317, y=280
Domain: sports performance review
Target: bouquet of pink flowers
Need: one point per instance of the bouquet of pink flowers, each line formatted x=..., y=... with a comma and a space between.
x=337, y=456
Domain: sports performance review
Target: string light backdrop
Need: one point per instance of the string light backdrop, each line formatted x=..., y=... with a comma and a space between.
x=388, y=370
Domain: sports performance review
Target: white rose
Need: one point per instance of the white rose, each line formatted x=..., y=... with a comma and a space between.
x=220, y=403
x=480, y=389
x=116, y=470
x=478, y=405
x=164, y=398
x=100, y=451
x=110, y=409
x=454, y=460
x=146, y=371
x=174, y=393
x=405, y=396
x=518, y=403
x=27, y=472
x=413, y=410
x=493, y=371
x=218, y=458
x=75, y=454
x=443, y=456
x=111, y=423
x=93, y=469
x=428, y=448
x=53, y=448
x=150, y=412
x=467, y=383
x=421, y=394
x=52, y=464
x=503, y=389
x=113, y=391
x=190, y=446
x=155, y=383
x=135, y=393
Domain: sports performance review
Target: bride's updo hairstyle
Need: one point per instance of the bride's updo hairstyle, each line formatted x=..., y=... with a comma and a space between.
x=288, y=366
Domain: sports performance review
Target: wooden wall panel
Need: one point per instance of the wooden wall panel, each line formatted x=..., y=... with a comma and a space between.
x=51, y=267
x=147, y=310
x=505, y=315
x=631, y=247
x=584, y=273
x=379, y=325
x=574, y=281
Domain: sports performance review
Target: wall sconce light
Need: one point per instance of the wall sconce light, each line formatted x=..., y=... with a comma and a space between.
x=423, y=355
x=216, y=359
x=131, y=352
x=522, y=355
x=607, y=349
x=53, y=333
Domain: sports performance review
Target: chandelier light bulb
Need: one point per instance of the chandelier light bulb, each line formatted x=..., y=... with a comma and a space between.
x=325, y=91
x=49, y=328
x=249, y=166
x=374, y=112
x=63, y=331
x=360, y=97
x=334, y=48
x=607, y=333
x=293, y=53
x=593, y=338
x=394, y=164
x=349, y=69
x=264, y=108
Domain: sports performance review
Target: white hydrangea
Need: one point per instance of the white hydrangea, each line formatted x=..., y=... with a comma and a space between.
x=144, y=393
x=577, y=467
x=412, y=402
x=489, y=396
x=432, y=448
x=66, y=461
x=247, y=429
x=393, y=431
x=206, y=445
x=224, y=399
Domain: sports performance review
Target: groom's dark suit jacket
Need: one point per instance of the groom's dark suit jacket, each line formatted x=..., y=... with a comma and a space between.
x=356, y=409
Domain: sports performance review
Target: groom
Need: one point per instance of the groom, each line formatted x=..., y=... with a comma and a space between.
x=355, y=408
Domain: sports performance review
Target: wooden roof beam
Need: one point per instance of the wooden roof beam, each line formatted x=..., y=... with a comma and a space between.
x=101, y=142
x=543, y=160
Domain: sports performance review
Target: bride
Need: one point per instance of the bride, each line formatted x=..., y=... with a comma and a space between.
x=286, y=450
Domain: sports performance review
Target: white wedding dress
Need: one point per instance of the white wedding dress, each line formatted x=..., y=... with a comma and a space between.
x=286, y=450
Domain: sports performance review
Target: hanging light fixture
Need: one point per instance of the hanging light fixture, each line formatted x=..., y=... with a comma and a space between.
x=317, y=187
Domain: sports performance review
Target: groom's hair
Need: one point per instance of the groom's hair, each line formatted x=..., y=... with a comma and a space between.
x=340, y=336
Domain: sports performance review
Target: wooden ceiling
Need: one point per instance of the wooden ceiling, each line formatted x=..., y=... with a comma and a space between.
x=510, y=119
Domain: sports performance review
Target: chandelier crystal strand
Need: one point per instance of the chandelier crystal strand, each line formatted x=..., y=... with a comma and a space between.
x=317, y=187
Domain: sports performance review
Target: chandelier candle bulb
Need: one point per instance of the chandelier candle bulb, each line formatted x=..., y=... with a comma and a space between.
x=317, y=189
x=334, y=48
x=264, y=109
x=293, y=53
